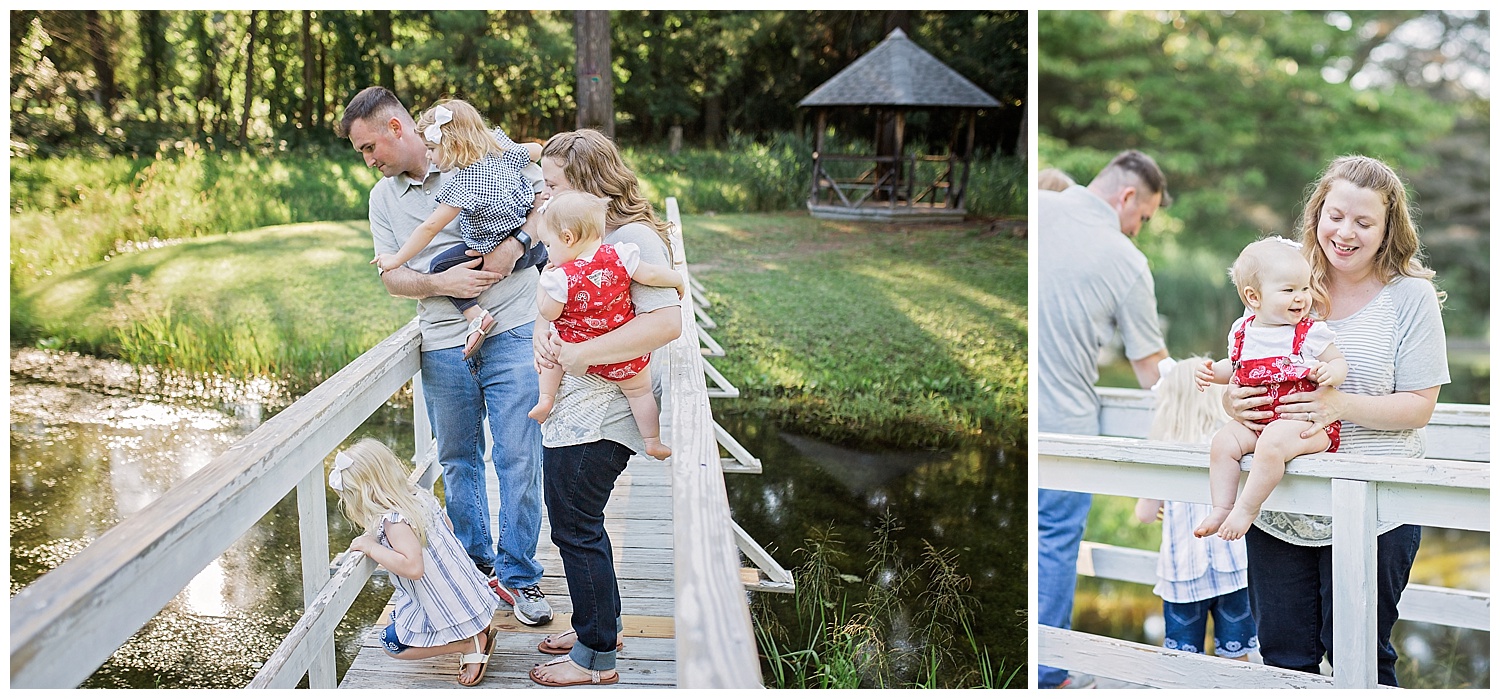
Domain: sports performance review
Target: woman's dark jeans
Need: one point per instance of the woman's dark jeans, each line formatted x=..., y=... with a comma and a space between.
x=1291, y=596
x=577, y=481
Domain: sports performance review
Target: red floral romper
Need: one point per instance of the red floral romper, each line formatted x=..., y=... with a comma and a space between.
x=1280, y=375
x=598, y=302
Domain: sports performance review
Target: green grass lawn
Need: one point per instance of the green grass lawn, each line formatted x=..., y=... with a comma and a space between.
x=867, y=334
x=908, y=335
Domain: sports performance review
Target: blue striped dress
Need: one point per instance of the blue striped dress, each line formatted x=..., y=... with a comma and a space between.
x=453, y=600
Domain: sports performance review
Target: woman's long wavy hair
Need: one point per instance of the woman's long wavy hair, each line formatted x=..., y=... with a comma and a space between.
x=376, y=483
x=466, y=139
x=592, y=163
x=1183, y=413
x=1400, y=249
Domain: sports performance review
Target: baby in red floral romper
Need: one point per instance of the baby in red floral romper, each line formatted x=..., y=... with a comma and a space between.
x=1278, y=346
x=585, y=292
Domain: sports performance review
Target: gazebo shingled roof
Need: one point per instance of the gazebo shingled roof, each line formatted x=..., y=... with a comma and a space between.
x=897, y=72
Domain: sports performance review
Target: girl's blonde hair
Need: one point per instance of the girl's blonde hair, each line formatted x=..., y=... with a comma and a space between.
x=466, y=139
x=592, y=163
x=1183, y=413
x=377, y=483
x=577, y=211
x=1054, y=180
x=1398, y=255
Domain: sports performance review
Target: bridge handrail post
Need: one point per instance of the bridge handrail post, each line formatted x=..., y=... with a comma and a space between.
x=1354, y=583
x=312, y=525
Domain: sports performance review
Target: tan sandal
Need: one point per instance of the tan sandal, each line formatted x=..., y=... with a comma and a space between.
x=478, y=328
x=480, y=657
x=594, y=676
x=549, y=645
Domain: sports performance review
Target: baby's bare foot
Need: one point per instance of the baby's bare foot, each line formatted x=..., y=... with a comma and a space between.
x=655, y=448
x=542, y=410
x=1210, y=524
x=1238, y=523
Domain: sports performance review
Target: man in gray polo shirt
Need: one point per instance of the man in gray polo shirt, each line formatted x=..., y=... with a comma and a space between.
x=1091, y=281
x=499, y=381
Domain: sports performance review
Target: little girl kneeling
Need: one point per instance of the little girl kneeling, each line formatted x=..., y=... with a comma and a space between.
x=443, y=603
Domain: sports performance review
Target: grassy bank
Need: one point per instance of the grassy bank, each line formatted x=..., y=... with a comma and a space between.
x=71, y=212
x=883, y=334
x=865, y=334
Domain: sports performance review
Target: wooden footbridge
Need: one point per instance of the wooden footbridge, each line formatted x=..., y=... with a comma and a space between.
x=1449, y=488
x=677, y=552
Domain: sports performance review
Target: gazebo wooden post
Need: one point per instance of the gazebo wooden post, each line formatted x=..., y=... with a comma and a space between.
x=963, y=189
x=817, y=168
x=900, y=151
x=953, y=161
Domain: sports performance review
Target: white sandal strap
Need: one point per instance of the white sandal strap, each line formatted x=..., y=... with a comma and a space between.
x=473, y=658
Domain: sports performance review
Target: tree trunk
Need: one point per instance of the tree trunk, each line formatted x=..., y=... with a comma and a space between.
x=384, y=37
x=307, y=72
x=322, y=102
x=713, y=119
x=104, y=71
x=249, y=80
x=153, y=55
x=1021, y=145
x=596, y=94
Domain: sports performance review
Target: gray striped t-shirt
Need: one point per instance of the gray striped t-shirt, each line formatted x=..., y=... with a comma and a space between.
x=1395, y=343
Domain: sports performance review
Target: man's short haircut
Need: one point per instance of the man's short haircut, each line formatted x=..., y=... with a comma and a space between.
x=372, y=101
x=1144, y=169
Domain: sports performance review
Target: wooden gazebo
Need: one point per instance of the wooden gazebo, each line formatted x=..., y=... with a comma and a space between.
x=895, y=77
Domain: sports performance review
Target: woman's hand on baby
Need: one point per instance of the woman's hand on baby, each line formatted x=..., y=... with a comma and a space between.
x=1322, y=408
x=545, y=345
x=1203, y=375
x=1246, y=404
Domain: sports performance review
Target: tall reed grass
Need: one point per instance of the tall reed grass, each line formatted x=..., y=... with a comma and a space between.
x=69, y=213
x=891, y=627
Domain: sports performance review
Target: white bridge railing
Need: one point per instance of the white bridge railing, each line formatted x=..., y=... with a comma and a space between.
x=68, y=622
x=1449, y=489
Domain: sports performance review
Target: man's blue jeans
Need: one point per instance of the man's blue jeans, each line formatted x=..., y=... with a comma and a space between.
x=1060, y=517
x=1291, y=596
x=501, y=381
x=579, y=481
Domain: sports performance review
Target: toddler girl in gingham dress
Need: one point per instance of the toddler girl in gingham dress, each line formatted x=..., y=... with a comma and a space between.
x=493, y=189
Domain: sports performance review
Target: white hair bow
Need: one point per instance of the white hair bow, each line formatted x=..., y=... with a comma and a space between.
x=440, y=115
x=341, y=463
x=1162, y=367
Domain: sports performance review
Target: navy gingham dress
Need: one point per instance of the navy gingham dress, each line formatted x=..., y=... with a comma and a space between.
x=492, y=195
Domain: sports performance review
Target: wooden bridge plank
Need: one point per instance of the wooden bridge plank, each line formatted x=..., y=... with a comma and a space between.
x=1159, y=667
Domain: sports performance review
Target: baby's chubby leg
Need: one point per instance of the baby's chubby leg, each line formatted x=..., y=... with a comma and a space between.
x=547, y=385
x=1279, y=443
x=643, y=408
x=1231, y=443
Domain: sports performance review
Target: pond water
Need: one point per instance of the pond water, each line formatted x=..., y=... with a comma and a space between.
x=971, y=502
x=82, y=460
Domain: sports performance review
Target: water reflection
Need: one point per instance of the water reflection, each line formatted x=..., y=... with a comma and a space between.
x=82, y=461
x=968, y=501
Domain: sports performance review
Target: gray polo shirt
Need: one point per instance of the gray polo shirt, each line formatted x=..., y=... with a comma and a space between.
x=397, y=206
x=1091, y=281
